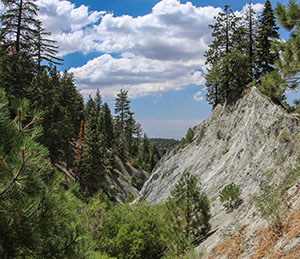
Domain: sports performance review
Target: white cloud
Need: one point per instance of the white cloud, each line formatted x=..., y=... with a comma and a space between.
x=157, y=52
x=139, y=75
x=150, y=54
x=197, y=96
x=258, y=7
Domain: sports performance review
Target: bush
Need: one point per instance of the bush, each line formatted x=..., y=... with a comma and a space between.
x=230, y=196
x=132, y=231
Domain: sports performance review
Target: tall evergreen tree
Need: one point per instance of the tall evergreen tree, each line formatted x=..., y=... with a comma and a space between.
x=138, y=134
x=267, y=33
x=123, y=114
x=56, y=96
x=249, y=26
x=108, y=128
x=226, y=77
x=98, y=101
x=288, y=64
x=18, y=26
x=44, y=49
x=89, y=164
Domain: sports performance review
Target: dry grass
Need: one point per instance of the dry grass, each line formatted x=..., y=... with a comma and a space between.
x=232, y=247
x=270, y=236
x=274, y=242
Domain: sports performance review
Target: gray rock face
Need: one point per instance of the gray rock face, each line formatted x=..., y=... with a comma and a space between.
x=236, y=144
x=121, y=180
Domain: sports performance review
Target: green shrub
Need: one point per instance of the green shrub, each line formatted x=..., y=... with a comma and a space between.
x=230, y=196
x=132, y=231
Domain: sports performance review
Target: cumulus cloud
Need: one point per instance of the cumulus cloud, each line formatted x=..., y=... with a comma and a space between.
x=157, y=52
x=139, y=75
x=198, y=96
x=150, y=54
x=70, y=26
x=258, y=7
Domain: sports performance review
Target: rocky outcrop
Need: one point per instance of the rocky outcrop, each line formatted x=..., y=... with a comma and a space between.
x=237, y=144
x=124, y=179
x=121, y=179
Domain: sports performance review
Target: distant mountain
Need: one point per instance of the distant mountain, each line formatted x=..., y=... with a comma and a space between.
x=164, y=144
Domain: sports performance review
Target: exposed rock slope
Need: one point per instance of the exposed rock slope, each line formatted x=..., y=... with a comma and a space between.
x=124, y=179
x=236, y=144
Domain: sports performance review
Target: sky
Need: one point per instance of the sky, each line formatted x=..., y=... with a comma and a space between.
x=152, y=48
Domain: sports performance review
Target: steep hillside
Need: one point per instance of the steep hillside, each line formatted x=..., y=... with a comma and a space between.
x=245, y=143
x=121, y=179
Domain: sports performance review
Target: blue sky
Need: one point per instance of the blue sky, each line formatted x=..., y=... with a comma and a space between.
x=152, y=48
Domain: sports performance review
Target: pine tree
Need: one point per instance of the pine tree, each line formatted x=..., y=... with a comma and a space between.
x=189, y=215
x=249, y=26
x=288, y=64
x=62, y=105
x=138, y=134
x=18, y=26
x=129, y=133
x=44, y=49
x=146, y=152
x=218, y=79
x=267, y=33
x=90, y=105
x=89, y=165
x=108, y=128
x=16, y=74
x=123, y=114
x=230, y=196
x=98, y=101
x=193, y=206
x=38, y=218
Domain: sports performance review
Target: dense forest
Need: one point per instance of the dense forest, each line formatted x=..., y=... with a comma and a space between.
x=44, y=121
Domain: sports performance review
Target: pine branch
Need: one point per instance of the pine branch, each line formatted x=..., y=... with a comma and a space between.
x=20, y=170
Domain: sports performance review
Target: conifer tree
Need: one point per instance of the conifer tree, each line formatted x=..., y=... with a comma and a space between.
x=222, y=79
x=62, y=105
x=190, y=210
x=138, y=134
x=288, y=64
x=146, y=152
x=98, y=101
x=90, y=167
x=267, y=33
x=193, y=205
x=123, y=114
x=108, y=128
x=94, y=147
x=230, y=196
x=18, y=26
x=248, y=44
x=44, y=49
x=38, y=219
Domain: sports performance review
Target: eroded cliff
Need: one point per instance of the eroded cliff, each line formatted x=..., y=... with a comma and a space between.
x=237, y=144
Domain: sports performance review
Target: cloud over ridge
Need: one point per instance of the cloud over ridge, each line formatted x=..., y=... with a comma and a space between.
x=161, y=51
